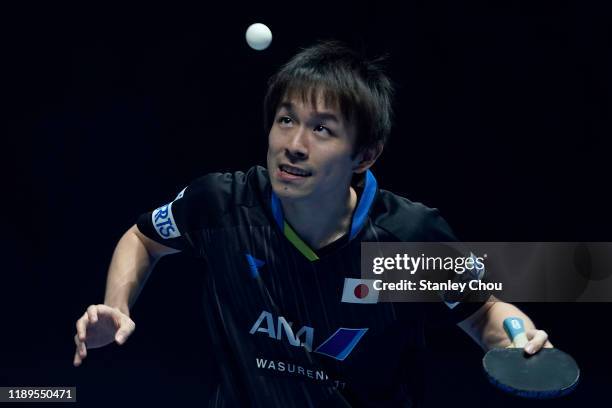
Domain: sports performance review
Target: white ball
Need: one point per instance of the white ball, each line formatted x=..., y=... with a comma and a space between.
x=258, y=36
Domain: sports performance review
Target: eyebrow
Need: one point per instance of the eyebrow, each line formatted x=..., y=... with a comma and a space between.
x=319, y=115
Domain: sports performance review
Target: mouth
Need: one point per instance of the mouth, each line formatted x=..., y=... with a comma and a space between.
x=293, y=171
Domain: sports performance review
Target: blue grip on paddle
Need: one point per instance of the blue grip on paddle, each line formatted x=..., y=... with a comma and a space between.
x=515, y=328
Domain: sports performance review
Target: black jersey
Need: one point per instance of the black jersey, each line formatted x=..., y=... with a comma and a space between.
x=290, y=325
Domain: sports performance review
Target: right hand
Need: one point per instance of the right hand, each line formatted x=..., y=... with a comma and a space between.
x=100, y=325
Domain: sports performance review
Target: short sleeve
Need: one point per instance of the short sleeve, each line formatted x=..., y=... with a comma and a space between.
x=161, y=224
x=195, y=207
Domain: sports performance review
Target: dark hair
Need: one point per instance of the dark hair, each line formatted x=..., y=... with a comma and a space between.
x=358, y=86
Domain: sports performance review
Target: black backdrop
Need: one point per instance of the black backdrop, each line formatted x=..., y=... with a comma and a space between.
x=502, y=122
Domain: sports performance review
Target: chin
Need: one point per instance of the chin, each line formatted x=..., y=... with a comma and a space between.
x=287, y=192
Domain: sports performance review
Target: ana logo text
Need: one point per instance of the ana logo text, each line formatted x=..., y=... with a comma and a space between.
x=339, y=345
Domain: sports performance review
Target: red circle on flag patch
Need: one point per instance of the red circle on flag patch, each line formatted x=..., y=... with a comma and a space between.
x=361, y=291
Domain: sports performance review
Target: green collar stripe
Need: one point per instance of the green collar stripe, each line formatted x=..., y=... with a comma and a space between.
x=299, y=244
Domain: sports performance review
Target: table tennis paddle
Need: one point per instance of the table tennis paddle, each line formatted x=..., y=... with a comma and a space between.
x=549, y=373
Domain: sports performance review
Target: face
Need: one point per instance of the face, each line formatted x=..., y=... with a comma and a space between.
x=309, y=151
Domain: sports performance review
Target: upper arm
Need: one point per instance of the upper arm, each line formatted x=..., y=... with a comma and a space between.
x=154, y=248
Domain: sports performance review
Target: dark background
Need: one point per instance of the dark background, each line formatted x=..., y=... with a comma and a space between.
x=502, y=122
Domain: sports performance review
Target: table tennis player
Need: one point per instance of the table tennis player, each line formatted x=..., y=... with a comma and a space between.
x=282, y=249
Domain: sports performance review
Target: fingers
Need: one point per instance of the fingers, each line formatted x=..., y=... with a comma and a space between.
x=123, y=328
x=89, y=317
x=125, y=325
x=77, y=359
x=92, y=313
x=81, y=351
x=537, y=340
x=81, y=326
x=126, y=328
x=79, y=338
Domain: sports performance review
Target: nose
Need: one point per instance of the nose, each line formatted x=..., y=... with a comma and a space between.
x=297, y=146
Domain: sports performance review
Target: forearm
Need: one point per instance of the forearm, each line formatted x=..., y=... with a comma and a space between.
x=129, y=269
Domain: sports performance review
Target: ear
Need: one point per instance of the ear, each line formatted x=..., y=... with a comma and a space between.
x=367, y=157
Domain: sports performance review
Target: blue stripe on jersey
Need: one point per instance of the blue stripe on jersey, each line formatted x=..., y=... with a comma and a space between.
x=341, y=343
x=361, y=213
x=277, y=211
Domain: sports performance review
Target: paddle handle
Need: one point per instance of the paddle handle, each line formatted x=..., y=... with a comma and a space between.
x=515, y=328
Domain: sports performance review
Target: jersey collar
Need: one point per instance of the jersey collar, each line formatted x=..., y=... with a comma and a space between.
x=358, y=220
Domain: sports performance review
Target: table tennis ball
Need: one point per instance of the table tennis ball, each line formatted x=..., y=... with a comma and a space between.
x=258, y=36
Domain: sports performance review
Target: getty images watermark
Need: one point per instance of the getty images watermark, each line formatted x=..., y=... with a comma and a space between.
x=472, y=271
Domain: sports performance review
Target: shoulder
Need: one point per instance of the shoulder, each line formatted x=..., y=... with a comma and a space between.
x=204, y=203
x=219, y=191
x=209, y=198
x=408, y=220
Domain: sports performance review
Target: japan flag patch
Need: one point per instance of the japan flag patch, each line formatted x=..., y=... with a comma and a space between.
x=359, y=291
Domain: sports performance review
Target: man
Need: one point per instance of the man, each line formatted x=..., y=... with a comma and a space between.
x=282, y=246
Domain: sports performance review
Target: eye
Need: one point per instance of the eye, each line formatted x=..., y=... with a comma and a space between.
x=321, y=128
x=284, y=120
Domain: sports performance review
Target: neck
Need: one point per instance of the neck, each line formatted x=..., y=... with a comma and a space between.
x=323, y=222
